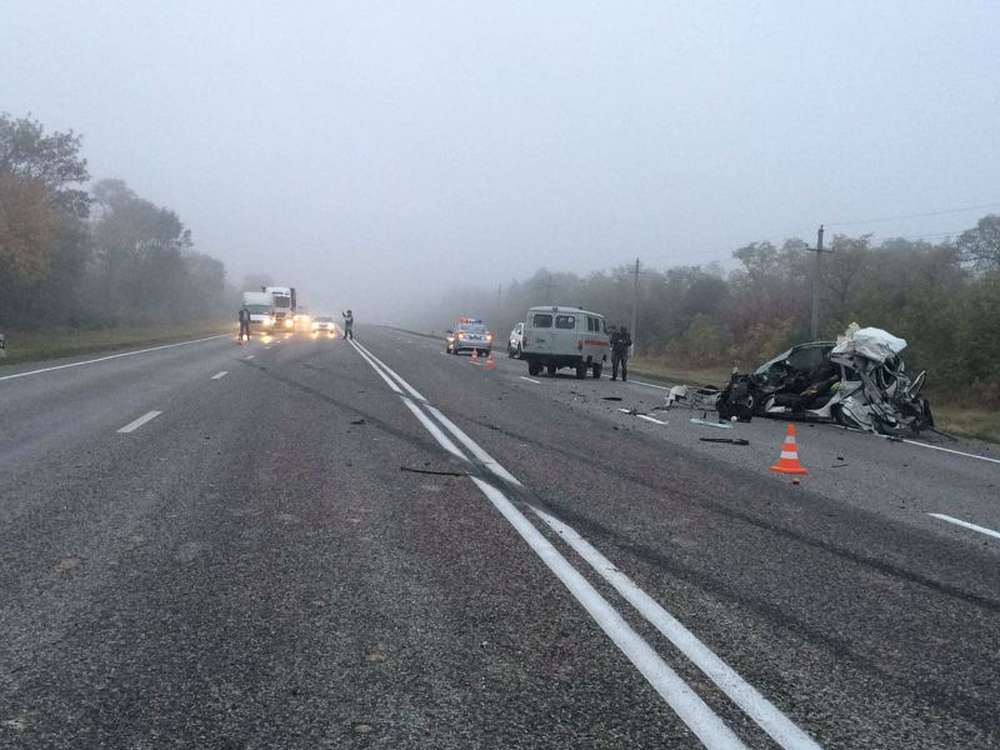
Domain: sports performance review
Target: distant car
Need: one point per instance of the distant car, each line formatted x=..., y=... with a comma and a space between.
x=470, y=334
x=324, y=324
x=301, y=321
x=515, y=344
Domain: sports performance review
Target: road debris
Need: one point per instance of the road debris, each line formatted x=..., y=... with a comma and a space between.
x=360, y=420
x=440, y=473
x=612, y=398
x=707, y=423
x=731, y=441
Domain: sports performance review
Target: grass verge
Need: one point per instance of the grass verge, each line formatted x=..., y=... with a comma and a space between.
x=953, y=417
x=30, y=346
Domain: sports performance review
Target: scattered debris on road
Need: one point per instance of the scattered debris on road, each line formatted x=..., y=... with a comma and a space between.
x=436, y=472
x=360, y=420
x=731, y=441
x=707, y=423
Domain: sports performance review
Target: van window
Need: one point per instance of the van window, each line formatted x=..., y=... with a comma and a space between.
x=592, y=324
x=566, y=321
x=541, y=320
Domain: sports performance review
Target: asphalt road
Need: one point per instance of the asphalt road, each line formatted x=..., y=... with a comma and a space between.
x=381, y=545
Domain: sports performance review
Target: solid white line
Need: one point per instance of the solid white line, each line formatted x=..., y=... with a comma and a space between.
x=484, y=458
x=744, y=695
x=950, y=450
x=410, y=389
x=220, y=375
x=433, y=429
x=530, y=380
x=376, y=368
x=692, y=710
x=966, y=524
x=109, y=357
x=136, y=424
x=249, y=356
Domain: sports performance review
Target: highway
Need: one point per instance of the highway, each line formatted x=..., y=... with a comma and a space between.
x=309, y=543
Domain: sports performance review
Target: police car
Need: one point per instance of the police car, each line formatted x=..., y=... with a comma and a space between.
x=470, y=334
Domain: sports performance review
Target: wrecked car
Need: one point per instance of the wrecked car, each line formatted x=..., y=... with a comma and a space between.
x=858, y=381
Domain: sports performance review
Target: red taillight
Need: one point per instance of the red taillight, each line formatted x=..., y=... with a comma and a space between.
x=579, y=346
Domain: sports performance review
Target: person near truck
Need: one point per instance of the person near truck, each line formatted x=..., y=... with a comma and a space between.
x=621, y=342
x=348, y=324
x=244, y=318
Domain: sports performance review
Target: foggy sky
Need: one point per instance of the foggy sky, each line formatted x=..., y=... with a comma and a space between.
x=371, y=152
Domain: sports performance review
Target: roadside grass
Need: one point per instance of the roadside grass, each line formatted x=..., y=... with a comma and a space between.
x=29, y=346
x=953, y=417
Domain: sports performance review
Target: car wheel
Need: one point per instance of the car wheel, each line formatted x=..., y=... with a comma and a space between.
x=534, y=368
x=597, y=371
x=550, y=370
x=581, y=371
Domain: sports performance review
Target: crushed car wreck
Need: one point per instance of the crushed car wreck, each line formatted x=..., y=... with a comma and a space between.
x=858, y=381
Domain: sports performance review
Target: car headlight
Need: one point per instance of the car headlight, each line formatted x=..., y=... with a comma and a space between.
x=289, y=322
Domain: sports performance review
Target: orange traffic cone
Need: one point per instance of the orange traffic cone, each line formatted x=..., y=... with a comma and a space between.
x=474, y=359
x=788, y=462
x=490, y=364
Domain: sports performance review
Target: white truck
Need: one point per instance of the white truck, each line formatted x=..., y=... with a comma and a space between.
x=557, y=337
x=283, y=303
x=261, y=310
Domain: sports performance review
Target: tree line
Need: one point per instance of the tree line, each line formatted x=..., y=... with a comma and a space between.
x=79, y=255
x=943, y=298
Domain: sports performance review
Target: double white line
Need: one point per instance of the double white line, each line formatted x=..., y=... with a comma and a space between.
x=692, y=710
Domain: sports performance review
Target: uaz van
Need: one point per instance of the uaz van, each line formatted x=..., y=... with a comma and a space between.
x=557, y=337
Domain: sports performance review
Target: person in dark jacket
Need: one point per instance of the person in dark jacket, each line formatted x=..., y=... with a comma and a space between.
x=621, y=342
x=244, y=318
x=348, y=324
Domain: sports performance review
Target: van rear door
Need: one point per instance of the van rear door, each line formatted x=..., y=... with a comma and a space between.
x=538, y=332
x=564, y=334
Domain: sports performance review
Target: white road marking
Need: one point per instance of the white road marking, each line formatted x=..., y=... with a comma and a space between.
x=249, y=356
x=434, y=430
x=530, y=380
x=220, y=375
x=137, y=423
x=744, y=695
x=951, y=450
x=706, y=725
x=410, y=389
x=484, y=458
x=375, y=367
x=966, y=524
x=110, y=357
x=692, y=710
x=268, y=346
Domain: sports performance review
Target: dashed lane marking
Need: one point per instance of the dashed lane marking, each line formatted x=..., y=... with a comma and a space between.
x=220, y=375
x=530, y=380
x=137, y=423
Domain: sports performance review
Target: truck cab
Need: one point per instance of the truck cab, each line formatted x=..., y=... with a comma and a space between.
x=261, y=311
x=283, y=302
x=557, y=336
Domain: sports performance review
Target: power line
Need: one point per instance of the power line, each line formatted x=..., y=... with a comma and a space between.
x=914, y=216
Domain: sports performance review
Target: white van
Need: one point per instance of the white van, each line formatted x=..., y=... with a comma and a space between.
x=557, y=337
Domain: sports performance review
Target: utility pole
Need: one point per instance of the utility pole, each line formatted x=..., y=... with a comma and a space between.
x=635, y=305
x=817, y=271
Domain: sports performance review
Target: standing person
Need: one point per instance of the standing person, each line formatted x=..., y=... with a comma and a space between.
x=348, y=324
x=244, y=318
x=621, y=342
